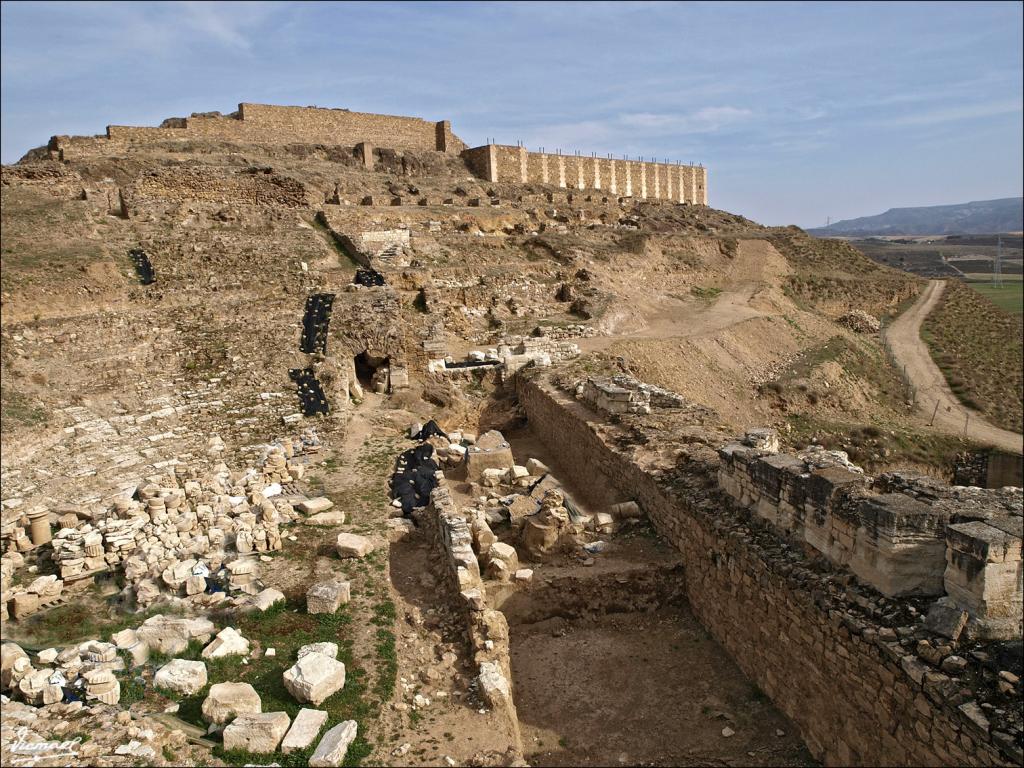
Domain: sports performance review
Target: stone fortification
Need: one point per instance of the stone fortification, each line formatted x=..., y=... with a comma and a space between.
x=866, y=680
x=275, y=125
x=626, y=178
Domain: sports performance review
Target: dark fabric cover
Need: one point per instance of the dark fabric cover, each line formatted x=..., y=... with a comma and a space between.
x=430, y=429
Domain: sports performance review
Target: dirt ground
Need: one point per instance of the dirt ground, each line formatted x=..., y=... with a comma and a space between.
x=595, y=692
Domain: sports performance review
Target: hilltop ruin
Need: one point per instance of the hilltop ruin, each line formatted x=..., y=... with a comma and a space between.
x=328, y=438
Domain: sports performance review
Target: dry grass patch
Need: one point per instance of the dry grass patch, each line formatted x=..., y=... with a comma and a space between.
x=978, y=347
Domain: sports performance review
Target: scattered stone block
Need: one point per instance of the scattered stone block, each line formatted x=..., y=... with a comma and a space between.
x=181, y=676
x=228, y=642
x=327, y=596
x=257, y=732
x=314, y=677
x=353, y=545
x=267, y=598
x=314, y=506
x=229, y=700
x=305, y=728
x=946, y=618
x=327, y=649
x=326, y=519
x=333, y=747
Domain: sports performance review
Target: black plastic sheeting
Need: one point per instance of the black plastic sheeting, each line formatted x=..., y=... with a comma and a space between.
x=369, y=277
x=143, y=266
x=312, y=399
x=414, y=478
x=430, y=429
x=315, y=323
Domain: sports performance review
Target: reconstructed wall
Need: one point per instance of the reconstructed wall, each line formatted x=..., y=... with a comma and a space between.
x=857, y=695
x=268, y=124
x=627, y=178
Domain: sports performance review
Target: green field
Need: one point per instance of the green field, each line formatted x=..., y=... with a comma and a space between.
x=1009, y=296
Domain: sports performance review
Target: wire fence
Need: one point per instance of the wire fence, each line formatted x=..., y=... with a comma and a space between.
x=909, y=390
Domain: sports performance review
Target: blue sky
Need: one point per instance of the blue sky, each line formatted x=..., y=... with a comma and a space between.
x=800, y=111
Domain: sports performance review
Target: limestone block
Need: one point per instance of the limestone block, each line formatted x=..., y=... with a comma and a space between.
x=333, y=747
x=520, y=508
x=327, y=649
x=265, y=599
x=9, y=653
x=327, y=596
x=983, y=575
x=353, y=545
x=314, y=677
x=333, y=517
x=257, y=732
x=305, y=728
x=314, y=506
x=493, y=685
x=165, y=634
x=504, y=553
x=228, y=642
x=491, y=451
x=228, y=700
x=181, y=676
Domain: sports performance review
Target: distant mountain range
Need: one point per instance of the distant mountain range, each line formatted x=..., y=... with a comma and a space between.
x=978, y=218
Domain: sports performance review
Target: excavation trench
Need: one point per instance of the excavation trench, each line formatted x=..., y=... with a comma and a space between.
x=611, y=667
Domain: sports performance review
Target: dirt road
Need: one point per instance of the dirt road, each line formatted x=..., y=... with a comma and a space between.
x=904, y=338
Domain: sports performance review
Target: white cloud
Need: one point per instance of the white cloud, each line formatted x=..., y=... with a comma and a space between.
x=951, y=114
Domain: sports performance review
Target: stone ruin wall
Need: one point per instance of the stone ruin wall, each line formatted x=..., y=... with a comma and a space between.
x=919, y=539
x=269, y=124
x=487, y=627
x=242, y=188
x=857, y=695
x=276, y=125
x=626, y=178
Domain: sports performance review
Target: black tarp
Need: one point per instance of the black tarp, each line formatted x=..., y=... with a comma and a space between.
x=430, y=429
x=414, y=477
x=312, y=399
x=369, y=277
x=315, y=322
x=143, y=266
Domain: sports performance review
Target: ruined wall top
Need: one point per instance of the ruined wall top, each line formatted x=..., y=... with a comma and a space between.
x=270, y=124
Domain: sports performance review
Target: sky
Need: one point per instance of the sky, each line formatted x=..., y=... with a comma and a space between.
x=799, y=111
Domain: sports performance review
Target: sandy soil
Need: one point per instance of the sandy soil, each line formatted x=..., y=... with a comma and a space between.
x=593, y=693
x=904, y=338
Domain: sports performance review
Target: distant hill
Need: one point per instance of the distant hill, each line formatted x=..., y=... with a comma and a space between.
x=977, y=218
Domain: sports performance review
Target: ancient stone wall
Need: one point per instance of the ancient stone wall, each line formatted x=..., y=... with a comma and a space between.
x=899, y=534
x=486, y=627
x=275, y=125
x=628, y=178
x=245, y=188
x=858, y=696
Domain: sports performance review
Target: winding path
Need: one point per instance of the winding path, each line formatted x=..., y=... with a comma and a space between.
x=904, y=339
